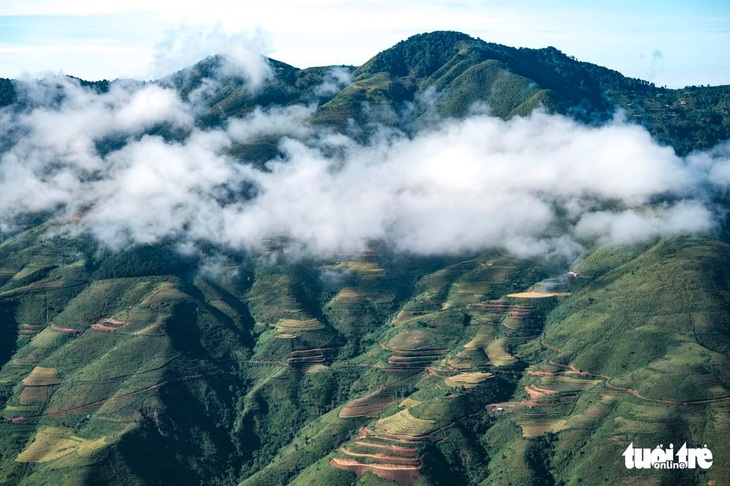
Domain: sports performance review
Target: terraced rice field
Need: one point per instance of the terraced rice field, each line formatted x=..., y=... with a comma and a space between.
x=467, y=380
x=369, y=406
x=308, y=356
x=404, y=424
x=296, y=326
x=460, y=362
x=391, y=457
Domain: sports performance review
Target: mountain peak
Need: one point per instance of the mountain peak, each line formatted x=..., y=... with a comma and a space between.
x=419, y=55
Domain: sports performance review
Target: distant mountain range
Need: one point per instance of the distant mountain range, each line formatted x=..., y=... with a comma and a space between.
x=267, y=278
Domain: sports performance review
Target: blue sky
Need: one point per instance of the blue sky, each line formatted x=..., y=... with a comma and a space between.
x=672, y=43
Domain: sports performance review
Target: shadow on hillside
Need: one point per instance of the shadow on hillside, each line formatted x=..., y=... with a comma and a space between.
x=8, y=331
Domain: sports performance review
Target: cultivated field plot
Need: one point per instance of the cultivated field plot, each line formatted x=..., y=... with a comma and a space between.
x=28, y=330
x=540, y=426
x=537, y=295
x=40, y=376
x=467, y=380
x=404, y=424
x=349, y=294
x=297, y=326
x=35, y=394
x=369, y=406
x=51, y=443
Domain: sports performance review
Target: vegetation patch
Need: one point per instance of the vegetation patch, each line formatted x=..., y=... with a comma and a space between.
x=497, y=353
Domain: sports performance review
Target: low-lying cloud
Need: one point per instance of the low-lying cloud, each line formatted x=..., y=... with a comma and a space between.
x=538, y=185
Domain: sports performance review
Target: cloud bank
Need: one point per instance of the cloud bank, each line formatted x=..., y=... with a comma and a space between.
x=538, y=185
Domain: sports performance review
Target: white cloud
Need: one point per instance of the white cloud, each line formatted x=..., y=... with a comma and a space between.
x=542, y=184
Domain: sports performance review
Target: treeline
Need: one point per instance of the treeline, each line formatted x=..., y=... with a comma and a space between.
x=141, y=261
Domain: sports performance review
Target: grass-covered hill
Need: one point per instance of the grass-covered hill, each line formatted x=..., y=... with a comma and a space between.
x=151, y=366
x=410, y=370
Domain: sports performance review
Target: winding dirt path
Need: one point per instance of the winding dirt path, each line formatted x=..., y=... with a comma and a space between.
x=86, y=406
x=572, y=370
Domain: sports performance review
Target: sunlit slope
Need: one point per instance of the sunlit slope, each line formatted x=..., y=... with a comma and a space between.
x=376, y=369
x=656, y=323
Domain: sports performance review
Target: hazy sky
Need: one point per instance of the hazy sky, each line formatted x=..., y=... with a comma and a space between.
x=673, y=43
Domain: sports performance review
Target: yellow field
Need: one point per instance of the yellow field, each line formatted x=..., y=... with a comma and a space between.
x=349, y=294
x=467, y=380
x=42, y=376
x=538, y=295
x=89, y=447
x=537, y=427
x=293, y=326
x=497, y=354
x=364, y=268
x=480, y=341
x=54, y=442
x=403, y=423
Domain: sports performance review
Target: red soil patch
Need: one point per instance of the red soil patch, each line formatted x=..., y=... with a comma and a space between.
x=411, y=461
x=65, y=330
x=534, y=393
x=101, y=327
x=541, y=373
x=397, y=450
x=114, y=322
x=401, y=474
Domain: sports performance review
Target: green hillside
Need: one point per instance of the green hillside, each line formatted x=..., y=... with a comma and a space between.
x=162, y=364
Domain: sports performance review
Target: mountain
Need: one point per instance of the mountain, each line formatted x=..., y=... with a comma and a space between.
x=148, y=340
